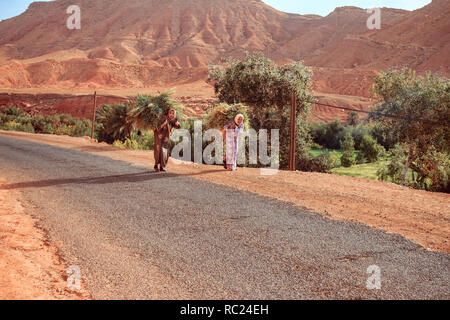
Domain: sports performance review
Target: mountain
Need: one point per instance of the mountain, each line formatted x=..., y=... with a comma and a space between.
x=156, y=43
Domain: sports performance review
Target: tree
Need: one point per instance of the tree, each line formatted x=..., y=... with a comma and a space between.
x=418, y=109
x=114, y=122
x=266, y=89
x=353, y=119
x=348, y=146
x=370, y=150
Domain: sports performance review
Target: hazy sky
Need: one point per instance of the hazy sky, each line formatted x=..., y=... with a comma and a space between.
x=324, y=7
x=11, y=8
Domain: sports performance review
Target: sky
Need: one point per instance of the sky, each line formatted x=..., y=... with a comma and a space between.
x=11, y=8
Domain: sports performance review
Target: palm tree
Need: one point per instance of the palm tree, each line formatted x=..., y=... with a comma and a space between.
x=115, y=121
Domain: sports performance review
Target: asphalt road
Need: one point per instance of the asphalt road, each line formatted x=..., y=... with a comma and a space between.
x=136, y=234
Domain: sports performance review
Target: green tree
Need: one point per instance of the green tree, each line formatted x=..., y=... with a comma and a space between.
x=114, y=122
x=418, y=109
x=370, y=150
x=353, y=119
x=348, y=146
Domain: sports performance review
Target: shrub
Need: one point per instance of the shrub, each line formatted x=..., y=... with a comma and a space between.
x=348, y=143
x=42, y=125
x=385, y=137
x=327, y=135
x=347, y=159
x=348, y=146
x=370, y=150
x=335, y=159
x=353, y=119
x=145, y=140
x=393, y=170
x=127, y=144
x=432, y=171
x=12, y=111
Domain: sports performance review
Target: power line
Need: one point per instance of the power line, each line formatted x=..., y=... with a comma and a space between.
x=373, y=113
x=366, y=112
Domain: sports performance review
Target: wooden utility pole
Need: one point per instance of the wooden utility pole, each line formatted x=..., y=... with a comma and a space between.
x=93, y=114
x=292, y=133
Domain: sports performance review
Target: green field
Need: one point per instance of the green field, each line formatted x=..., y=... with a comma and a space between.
x=367, y=170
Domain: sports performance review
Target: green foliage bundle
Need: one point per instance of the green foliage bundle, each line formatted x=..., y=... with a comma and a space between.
x=147, y=110
x=222, y=114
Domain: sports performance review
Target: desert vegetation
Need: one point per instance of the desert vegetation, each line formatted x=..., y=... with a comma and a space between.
x=15, y=119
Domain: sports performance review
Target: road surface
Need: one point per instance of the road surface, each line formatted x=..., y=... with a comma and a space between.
x=136, y=234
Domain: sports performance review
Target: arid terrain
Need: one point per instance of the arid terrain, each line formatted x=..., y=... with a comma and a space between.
x=146, y=46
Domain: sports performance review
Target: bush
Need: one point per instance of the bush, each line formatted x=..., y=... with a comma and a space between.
x=12, y=111
x=385, y=137
x=347, y=159
x=42, y=125
x=393, y=170
x=145, y=140
x=127, y=144
x=348, y=146
x=353, y=119
x=348, y=143
x=432, y=172
x=370, y=150
x=322, y=163
x=327, y=134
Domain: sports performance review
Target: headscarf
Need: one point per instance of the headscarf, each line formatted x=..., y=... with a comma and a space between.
x=240, y=115
x=174, y=112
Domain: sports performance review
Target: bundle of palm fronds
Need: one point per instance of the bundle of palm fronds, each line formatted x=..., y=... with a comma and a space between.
x=222, y=114
x=147, y=110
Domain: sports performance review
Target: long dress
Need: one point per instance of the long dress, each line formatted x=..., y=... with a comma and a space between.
x=232, y=143
x=162, y=139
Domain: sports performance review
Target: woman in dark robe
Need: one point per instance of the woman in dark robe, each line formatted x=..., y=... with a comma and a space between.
x=162, y=139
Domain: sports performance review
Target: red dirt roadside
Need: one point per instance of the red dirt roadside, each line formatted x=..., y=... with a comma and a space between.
x=422, y=217
x=30, y=268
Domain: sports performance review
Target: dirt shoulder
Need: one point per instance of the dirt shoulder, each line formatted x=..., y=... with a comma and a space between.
x=423, y=217
x=30, y=268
